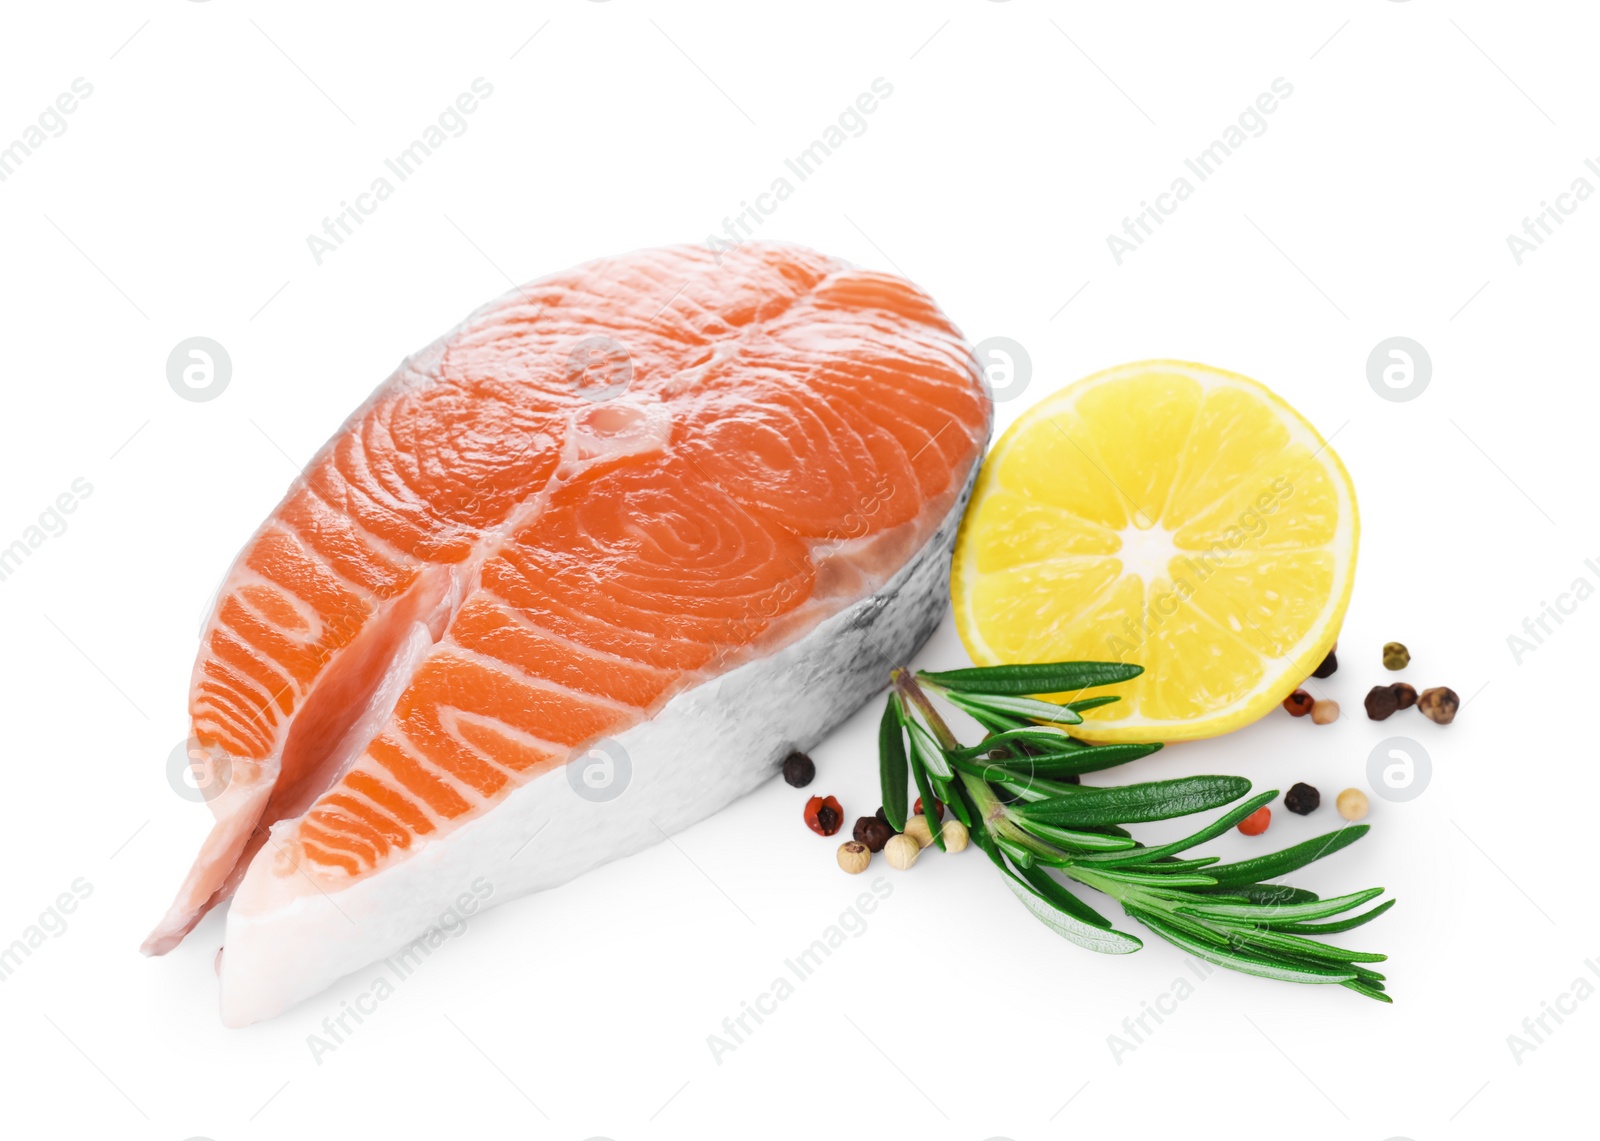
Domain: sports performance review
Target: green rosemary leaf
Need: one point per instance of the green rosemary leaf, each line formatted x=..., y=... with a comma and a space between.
x=1034, y=783
x=1170, y=865
x=1337, y=926
x=1097, y=757
x=1263, y=939
x=1137, y=803
x=926, y=749
x=1210, y=831
x=1144, y=906
x=1234, y=941
x=1092, y=702
x=1076, y=838
x=924, y=788
x=1147, y=879
x=1075, y=762
x=1027, y=788
x=958, y=804
x=1288, y=860
x=1028, y=708
x=892, y=773
x=1047, y=677
x=1045, y=737
x=1250, y=964
x=1275, y=913
x=1263, y=893
x=1370, y=990
x=998, y=722
x=1018, y=854
x=1056, y=893
x=985, y=840
x=1108, y=941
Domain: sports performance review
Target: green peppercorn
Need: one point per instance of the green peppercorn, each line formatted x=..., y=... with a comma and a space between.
x=1396, y=656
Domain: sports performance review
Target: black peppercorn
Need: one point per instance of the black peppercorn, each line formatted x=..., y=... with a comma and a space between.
x=1302, y=799
x=1329, y=664
x=798, y=769
x=872, y=832
x=881, y=814
x=1405, y=696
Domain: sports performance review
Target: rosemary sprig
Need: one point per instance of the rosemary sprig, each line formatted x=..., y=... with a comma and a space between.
x=1008, y=789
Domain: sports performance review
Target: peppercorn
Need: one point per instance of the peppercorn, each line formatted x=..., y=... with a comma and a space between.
x=854, y=856
x=919, y=830
x=882, y=815
x=1396, y=656
x=938, y=808
x=1325, y=712
x=1405, y=697
x=954, y=834
x=1256, y=823
x=1352, y=804
x=1439, y=704
x=823, y=815
x=901, y=851
x=1302, y=799
x=799, y=769
x=1329, y=664
x=872, y=832
x=1381, y=702
x=1299, y=703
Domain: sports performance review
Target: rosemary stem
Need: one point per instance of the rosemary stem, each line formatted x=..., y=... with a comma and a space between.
x=907, y=685
x=990, y=810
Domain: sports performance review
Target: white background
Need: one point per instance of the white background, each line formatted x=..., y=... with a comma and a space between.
x=1018, y=136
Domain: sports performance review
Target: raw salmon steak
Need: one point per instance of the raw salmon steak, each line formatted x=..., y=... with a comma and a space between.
x=580, y=573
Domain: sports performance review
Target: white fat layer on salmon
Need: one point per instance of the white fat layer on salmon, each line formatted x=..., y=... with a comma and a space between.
x=291, y=933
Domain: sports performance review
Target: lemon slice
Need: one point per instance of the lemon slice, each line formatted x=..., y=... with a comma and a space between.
x=1168, y=514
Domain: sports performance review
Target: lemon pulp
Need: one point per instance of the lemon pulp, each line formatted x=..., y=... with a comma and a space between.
x=1168, y=514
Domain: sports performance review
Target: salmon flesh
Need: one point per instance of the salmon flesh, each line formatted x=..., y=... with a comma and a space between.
x=579, y=574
